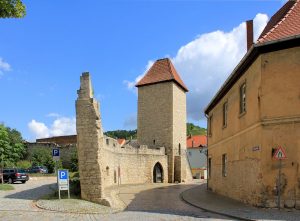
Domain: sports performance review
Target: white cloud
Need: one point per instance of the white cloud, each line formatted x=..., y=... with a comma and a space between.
x=131, y=84
x=130, y=122
x=53, y=115
x=4, y=66
x=60, y=126
x=206, y=62
x=39, y=129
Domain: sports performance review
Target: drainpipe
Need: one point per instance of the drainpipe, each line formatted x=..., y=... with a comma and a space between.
x=208, y=172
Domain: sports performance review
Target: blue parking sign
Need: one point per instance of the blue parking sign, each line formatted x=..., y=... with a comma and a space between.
x=63, y=181
x=63, y=174
x=55, y=152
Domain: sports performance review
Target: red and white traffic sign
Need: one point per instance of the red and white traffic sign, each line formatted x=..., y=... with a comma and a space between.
x=280, y=154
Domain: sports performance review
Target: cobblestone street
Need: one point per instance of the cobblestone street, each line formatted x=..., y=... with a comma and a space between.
x=144, y=203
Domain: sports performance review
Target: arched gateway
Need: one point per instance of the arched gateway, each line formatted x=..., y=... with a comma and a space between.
x=158, y=173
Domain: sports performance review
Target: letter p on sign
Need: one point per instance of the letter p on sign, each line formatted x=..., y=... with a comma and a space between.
x=55, y=154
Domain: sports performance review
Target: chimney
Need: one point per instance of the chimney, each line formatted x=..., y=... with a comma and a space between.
x=249, y=30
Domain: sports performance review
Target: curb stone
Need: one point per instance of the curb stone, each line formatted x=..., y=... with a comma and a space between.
x=211, y=211
x=37, y=204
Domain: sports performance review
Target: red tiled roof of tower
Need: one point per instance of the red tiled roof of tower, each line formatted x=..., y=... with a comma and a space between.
x=161, y=71
x=283, y=24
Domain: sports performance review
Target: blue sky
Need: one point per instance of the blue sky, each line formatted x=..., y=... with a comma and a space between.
x=43, y=55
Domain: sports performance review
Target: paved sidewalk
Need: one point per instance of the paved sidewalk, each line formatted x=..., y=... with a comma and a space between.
x=74, y=206
x=200, y=197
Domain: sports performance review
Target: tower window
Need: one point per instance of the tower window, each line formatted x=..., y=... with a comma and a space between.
x=179, y=149
x=153, y=142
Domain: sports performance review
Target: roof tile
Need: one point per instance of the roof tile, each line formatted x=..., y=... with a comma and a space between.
x=196, y=141
x=283, y=24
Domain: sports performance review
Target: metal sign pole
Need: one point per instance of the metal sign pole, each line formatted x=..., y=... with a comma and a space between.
x=68, y=186
x=279, y=184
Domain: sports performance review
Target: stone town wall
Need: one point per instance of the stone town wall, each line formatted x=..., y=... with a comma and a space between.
x=130, y=165
x=102, y=161
x=89, y=135
x=60, y=140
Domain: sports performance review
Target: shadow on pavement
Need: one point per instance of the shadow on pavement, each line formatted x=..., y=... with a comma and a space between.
x=165, y=200
x=34, y=193
x=199, y=196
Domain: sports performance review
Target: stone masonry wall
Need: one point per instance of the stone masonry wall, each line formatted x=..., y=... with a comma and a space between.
x=155, y=124
x=179, y=135
x=89, y=135
x=131, y=166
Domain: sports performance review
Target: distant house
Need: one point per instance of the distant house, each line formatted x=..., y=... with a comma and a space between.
x=121, y=142
x=256, y=111
x=196, y=153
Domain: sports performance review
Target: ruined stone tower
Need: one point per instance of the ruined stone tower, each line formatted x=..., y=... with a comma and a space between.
x=162, y=115
x=89, y=141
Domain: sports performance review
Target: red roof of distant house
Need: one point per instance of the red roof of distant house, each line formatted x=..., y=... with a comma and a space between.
x=196, y=141
x=121, y=141
x=161, y=71
x=284, y=23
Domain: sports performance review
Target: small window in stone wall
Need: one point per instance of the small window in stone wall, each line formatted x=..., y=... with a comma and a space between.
x=153, y=142
x=179, y=149
x=209, y=168
x=224, y=165
x=107, y=170
x=107, y=141
x=115, y=176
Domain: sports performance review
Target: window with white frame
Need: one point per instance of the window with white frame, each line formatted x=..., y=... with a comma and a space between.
x=243, y=98
x=225, y=111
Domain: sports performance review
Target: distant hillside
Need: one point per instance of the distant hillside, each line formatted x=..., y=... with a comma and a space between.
x=132, y=134
x=125, y=134
x=192, y=129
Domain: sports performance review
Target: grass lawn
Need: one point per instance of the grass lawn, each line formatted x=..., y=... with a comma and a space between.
x=41, y=174
x=6, y=187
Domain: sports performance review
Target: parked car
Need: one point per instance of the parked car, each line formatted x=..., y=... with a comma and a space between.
x=11, y=175
x=38, y=169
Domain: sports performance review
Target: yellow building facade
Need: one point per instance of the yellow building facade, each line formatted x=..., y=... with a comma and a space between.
x=256, y=111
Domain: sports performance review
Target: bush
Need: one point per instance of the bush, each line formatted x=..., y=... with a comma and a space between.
x=75, y=184
x=24, y=164
x=74, y=162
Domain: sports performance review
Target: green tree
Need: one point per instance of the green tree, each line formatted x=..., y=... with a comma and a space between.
x=192, y=129
x=12, y=9
x=12, y=148
x=125, y=134
x=74, y=162
x=43, y=157
x=4, y=145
